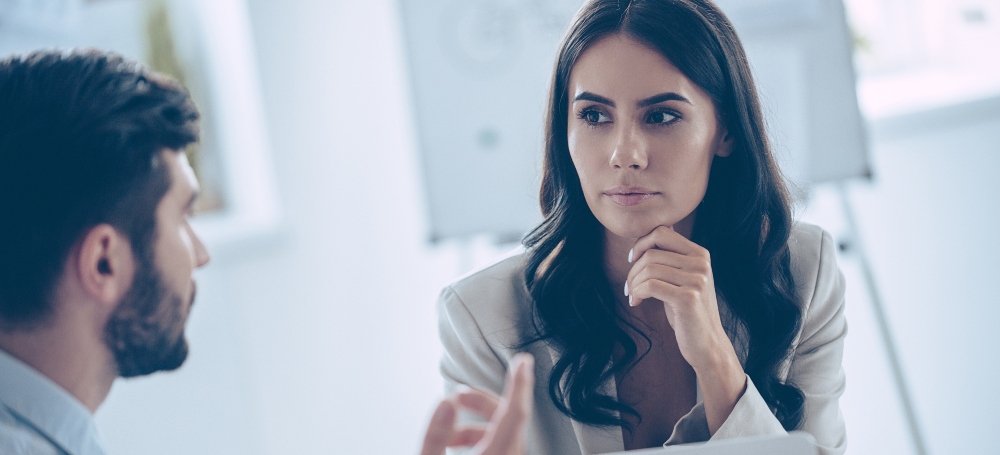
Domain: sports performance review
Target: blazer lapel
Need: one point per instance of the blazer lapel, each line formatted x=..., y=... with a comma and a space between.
x=592, y=439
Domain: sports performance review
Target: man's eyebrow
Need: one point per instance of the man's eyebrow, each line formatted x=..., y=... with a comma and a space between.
x=587, y=96
x=656, y=99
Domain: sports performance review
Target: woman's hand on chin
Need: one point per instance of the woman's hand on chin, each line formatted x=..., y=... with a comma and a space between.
x=678, y=272
x=668, y=267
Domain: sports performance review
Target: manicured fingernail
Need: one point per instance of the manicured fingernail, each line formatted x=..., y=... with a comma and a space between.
x=630, y=301
x=630, y=255
x=626, y=288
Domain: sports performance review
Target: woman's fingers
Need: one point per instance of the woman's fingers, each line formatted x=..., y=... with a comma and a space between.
x=485, y=403
x=481, y=402
x=669, y=267
x=506, y=435
x=663, y=257
x=666, y=256
x=518, y=392
x=668, y=293
x=665, y=238
x=468, y=435
x=697, y=263
x=669, y=274
x=440, y=430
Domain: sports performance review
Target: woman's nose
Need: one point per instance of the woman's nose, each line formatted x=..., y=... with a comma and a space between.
x=630, y=151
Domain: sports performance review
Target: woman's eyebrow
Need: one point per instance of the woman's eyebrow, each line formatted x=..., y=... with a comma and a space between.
x=669, y=96
x=587, y=96
x=655, y=99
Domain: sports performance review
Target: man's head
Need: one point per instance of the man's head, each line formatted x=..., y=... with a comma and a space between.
x=94, y=198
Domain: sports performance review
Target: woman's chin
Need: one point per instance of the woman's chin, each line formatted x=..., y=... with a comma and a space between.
x=630, y=229
x=635, y=224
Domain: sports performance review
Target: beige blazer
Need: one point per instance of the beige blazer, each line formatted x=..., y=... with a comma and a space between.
x=484, y=316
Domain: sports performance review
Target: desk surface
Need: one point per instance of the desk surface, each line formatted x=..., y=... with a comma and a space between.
x=795, y=443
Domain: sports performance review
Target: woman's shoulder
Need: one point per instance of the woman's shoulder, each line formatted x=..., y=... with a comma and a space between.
x=813, y=262
x=494, y=294
x=504, y=274
x=806, y=244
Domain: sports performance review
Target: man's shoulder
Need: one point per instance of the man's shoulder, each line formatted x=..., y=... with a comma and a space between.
x=37, y=416
x=18, y=437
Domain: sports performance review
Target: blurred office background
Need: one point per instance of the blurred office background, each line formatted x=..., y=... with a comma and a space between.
x=315, y=330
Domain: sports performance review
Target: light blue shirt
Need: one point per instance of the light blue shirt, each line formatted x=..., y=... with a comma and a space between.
x=37, y=417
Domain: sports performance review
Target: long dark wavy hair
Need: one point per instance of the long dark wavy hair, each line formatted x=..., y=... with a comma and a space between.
x=744, y=220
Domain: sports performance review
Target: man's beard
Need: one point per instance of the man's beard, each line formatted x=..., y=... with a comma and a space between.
x=146, y=331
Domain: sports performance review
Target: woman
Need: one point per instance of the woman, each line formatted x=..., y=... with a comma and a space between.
x=667, y=296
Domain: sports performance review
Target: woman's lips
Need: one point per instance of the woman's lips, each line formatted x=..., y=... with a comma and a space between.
x=629, y=197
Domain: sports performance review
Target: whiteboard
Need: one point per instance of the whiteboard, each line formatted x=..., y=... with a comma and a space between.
x=800, y=52
x=480, y=72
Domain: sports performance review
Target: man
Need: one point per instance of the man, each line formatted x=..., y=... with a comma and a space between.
x=97, y=255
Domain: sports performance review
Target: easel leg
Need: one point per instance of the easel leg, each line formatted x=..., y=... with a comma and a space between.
x=880, y=319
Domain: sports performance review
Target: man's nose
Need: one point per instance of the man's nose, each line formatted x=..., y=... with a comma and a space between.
x=201, y=255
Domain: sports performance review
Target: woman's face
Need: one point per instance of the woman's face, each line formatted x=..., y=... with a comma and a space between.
x=642, y=137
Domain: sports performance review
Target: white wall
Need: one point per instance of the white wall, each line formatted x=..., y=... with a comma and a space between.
x=930, y=221
x=322, y=340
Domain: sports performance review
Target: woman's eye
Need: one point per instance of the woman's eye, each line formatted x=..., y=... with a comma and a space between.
x=594, y=117
x=660, y=117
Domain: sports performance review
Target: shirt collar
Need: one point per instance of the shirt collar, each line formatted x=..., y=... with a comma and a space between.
x=50, y=409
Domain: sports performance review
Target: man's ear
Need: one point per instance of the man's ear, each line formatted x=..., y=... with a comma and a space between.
x=725, y=146
x=105, y=265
